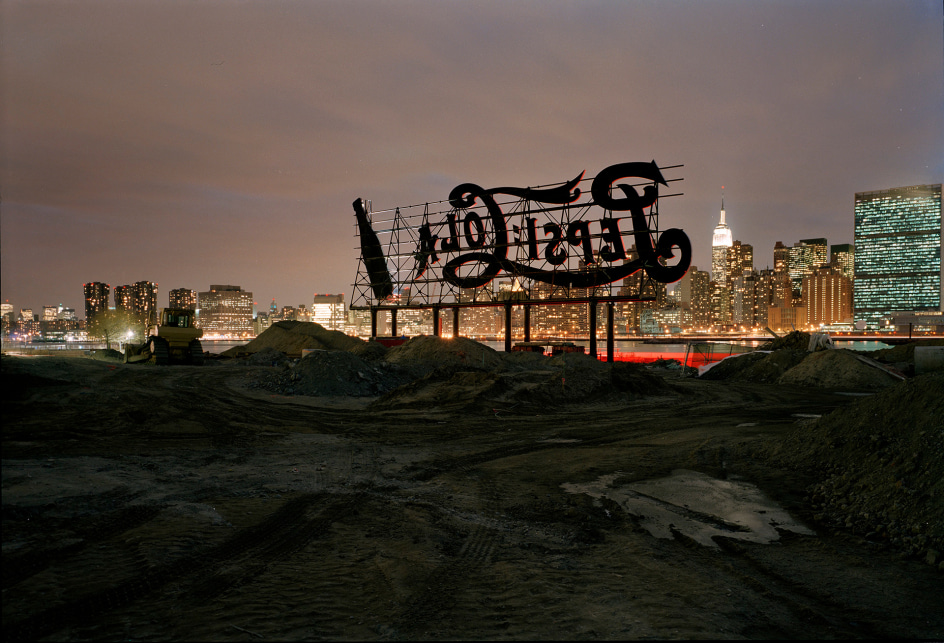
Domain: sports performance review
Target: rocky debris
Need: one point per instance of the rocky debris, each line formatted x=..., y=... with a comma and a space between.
x=881, y=466
x=291, y=337
x=267, y=356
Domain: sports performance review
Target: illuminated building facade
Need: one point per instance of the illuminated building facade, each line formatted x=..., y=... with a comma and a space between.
x=721, y=240
x=140, y=300
x=693, y=292
x=828, y=297
x=898, y=262
x=225, y=310
x=805, y=256
x=182, y=298
x=329, y=311
x=96, y=301
x=842, y=258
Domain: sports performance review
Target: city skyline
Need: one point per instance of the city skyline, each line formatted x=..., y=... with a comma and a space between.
x=196, y=144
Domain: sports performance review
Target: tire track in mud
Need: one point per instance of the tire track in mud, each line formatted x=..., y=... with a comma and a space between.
x=444, y=584
x=16, y=569
x=804, y=603
x=282, y=533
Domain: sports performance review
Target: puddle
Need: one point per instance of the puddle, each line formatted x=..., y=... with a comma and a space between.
x=698, y=506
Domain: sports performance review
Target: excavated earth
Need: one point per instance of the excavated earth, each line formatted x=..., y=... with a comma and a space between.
x=444, y=491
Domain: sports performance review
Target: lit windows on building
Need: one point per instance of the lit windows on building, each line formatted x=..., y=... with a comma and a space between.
x=842, y=258
x=184, y=298
x=898, y=263
x=804, y=257
x=827, y=295
x=96, y=302
x=225, y=310
x=329, y=311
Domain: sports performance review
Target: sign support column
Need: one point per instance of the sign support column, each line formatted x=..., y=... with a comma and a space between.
x=609, y=331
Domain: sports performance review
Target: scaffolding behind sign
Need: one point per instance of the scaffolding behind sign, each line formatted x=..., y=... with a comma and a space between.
x=564, y=242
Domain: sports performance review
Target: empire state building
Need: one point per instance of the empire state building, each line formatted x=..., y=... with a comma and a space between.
x=720, y=242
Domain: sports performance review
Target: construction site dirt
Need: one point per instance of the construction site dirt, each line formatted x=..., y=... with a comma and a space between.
x=227, y=502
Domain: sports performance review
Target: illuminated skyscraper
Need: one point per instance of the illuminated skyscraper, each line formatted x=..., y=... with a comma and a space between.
x=805, y=257
x=720, y=242
x=898, y=261
x=842, y=258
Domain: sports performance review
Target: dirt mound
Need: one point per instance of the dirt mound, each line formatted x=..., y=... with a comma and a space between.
x=431, y=352
x=333, y=373
x=883, y=463
x=839, y=368
x=796, y=340
x=731, y=366
x=528, y=383
x=107, y=355
x=903, y=353
x=290, y=337
x=758, y=366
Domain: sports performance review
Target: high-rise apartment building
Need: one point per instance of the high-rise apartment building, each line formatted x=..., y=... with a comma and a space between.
x=182, y=298
x=96, y=300
x=898, y=261
x=827, y=294
x=139, y=300
x=225, y=310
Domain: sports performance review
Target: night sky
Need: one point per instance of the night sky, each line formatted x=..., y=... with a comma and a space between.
x=223, y=142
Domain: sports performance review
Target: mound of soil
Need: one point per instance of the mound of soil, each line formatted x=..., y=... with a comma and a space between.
x=796, y=340
x=534, y=382
x=839, y=368
x=327, y=373
x=731, y=366
x=883, y=460
x=428, y=352
x=290, y=337
x=107, y=355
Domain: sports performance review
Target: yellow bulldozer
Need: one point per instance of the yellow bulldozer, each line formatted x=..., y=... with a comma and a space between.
x=175, y=339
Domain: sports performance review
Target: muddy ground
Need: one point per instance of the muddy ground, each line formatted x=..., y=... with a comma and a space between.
x=159, y=503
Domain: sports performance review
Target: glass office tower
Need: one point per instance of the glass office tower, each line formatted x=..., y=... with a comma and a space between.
x=898, y=258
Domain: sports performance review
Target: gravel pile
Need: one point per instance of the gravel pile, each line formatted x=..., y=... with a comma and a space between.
x=880, y=462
